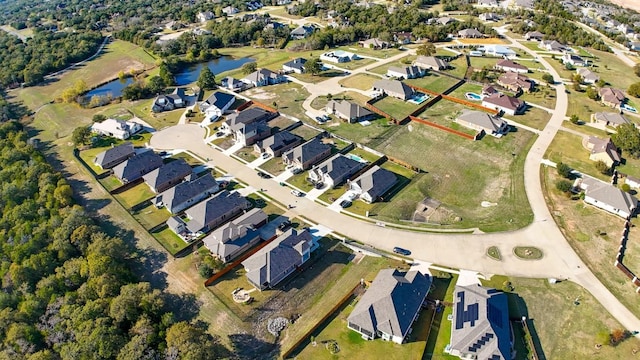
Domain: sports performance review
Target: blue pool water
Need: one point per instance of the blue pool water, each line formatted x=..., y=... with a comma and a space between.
x=419, y=98
x=473, y=96
x=357, y=158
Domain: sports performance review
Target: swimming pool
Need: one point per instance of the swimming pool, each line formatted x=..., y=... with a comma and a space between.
x=418, y=98
x=356, y=158
x=473, y=96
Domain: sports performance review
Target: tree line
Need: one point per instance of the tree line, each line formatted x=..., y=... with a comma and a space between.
x=67, y=288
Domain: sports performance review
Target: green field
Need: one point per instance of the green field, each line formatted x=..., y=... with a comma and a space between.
x=533, y=117
x=320, y=102
x=567, y=148
x=169, y=240
x=380, y=54
x=434, y=82
x=359, y=81
x=399, y=109
x=135, y=195
x=542, y=96
x=379, y=128
x=404, y=62
x=287, y=97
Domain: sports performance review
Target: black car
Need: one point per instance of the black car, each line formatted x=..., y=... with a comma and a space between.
x=284, y=225
x=318, y=185
x=401, y=251
x=264, y=175
x=345, y=204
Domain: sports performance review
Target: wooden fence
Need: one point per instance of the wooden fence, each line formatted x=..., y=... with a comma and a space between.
x=258, y=104
x=307, y=335
x=442, y=127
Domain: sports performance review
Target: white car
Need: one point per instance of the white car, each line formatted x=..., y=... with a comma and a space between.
x=265, y=155
x=297, y=193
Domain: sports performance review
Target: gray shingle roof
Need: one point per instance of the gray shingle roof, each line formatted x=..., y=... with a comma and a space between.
x=248, y=116
x=376, y=181
x=406, y=71
x=391, y=302
x=604, y=146
x=172, y=172
x=269, y=263
x=279, y=140
x=307, y=151
x=224, y=204
x=296, y=63
x=338, y=168
x=611, y=118
x=137, y=166
x=177, y=196
x=488, y=122
x=348, y=110
x=395, y=87
x=610, y=195
x=480, y=323
x=233, y=236
x=504, y=101
x=114, y=155
x=217, y=99
x=430, y=62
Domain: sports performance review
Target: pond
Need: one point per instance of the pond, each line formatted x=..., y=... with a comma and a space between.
x=187, y=76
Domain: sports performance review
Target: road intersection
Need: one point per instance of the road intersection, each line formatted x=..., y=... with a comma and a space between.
x=463, y=251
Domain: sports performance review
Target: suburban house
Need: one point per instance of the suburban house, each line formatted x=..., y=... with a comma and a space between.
x=445, y=20
x=230, y=10
x=607, y=197
x=552, y=45
x=187, y=193
x=483, y=123
x=500, y=51
x=302, y=32
x=233, y=84
x=490, y=16
x=338, y=56
x=114, y=156
x=632, y=181
x=524, y=4
x=393, y=88
x=603, y=150
x=277, y=143
x=177, y=225
x=611, y=97
x=215, y=211
x=374, y=43
x=515, y=82
x=373, y=184
x=167, y=175
x=348, y=111
x=216, y=104
x=573, y=59
x=390, y=305
x=488, y=3
x=431, y=62
x=480, y=327
x=408, y=72
x=403, y=38
x=588, y=76
x=237, y=236
x=282, y=256
x=307, y=154
x=264, y=77
x=137, y=166
x=118, y=129
x=470, y=34
x=169, y=102
x=534, y=36
x=205, y=16
x=335, y=170
x=609, y=119
x=510, y=66
x=488, y=90
x=507, y=104
x=295, y=65
x=248, y=126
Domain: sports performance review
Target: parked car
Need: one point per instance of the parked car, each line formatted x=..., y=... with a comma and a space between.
x=265, y=155
x=319, y=120
x=264, y=175
x=326, y=117
x=284, y=225
x=297, y=193
x=219, y=134
x=318, y=185
x=163, y=153
x=401, y=251
x=296, y=171
x=345, y=204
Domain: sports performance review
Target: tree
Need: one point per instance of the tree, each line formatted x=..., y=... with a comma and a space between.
x=592, y=93
x=627, y=138
x=99, y=118
x=313, y=66
x=190, y=342
x=206, y=80
x=636, y=69
x=427, y=49
x=634, y=90
x=564, y=185
x=563, y=170
x=548, y=78
x=577, y=78
x=574, y=119
x=80, y=135
x=250, y=67
x=602, y=167
x=166, y=75
x=205, y=270
x=625, y=187
x=155, y=85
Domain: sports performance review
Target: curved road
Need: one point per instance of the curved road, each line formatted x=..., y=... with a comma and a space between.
x=465, y=251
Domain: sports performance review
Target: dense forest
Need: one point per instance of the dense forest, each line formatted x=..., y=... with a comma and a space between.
x=44, y=53
x=67, y=289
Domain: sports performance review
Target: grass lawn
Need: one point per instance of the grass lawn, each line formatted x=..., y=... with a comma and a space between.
x=359, y=81
x=583, y=225
x=313, y=79
x=300, y=181
x=479, y=62
x=288, y=97
x=480, y=171
x=440, y=334
x=581, y=105
x=273, y=166
x=542, y=96
x=188, y=158
x=532, y=45
x=246, y=153
x=351, y=65
x=365, y=155
x=465, y=88
x=533, y=117
x=169, y=240
x=135, y=195
x=458, y=67
x=110, y=182
x=434, y=82
x=486, y=41
x=305, y=132
x=444, y=110
x=567, y=148
x=151, y=216
x=378, y=129
x=397, y=108
x=320, y=102
x=380, y=54
x=404, y=62
x=585, y=129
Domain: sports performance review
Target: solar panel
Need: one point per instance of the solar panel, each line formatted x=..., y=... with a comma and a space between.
x=469, y=315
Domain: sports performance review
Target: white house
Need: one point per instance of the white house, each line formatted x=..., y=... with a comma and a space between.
x=205, y=16
x=338, y=56
x=216, y=104
x=500, y=51
x=116, y=128
x=607, y=197
x=573, y=59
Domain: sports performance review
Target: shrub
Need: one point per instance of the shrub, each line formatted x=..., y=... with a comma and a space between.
x=602, y=167
x=564, y=185
x=548, y=78
x=205, y=270
x=574, y=119
x=563, y=169
x=625, y=188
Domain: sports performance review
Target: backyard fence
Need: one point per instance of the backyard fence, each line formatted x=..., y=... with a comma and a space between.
x=258, y=104
x=442, y=127
x=126, y=186
x=306, y=337
x=620, y=256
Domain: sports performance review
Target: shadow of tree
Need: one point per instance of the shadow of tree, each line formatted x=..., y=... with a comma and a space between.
x=247, y=346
